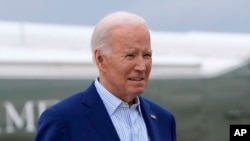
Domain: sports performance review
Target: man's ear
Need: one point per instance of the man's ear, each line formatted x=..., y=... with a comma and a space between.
x=100, y=60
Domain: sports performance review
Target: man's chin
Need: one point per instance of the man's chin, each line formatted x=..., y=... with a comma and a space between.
x=138, y=91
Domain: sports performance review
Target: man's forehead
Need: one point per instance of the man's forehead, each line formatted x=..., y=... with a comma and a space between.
x=135, y=49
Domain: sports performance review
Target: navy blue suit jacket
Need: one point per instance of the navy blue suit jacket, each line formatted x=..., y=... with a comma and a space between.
x=83, y=117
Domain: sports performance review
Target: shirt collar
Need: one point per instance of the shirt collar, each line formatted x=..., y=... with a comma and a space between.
x=112, y=102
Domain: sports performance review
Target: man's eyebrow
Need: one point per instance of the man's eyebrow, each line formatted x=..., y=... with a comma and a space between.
x=148, y=51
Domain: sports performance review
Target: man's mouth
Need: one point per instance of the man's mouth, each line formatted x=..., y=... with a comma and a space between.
x=136, y=79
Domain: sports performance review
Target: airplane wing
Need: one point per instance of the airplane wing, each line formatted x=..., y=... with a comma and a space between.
x=31, y=50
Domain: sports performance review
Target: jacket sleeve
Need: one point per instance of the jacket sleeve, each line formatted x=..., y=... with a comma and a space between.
x=51, y=127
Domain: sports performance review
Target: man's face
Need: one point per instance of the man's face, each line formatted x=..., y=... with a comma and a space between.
x=127, y=66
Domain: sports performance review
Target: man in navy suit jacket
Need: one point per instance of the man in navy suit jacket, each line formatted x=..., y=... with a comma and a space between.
x=111, y=108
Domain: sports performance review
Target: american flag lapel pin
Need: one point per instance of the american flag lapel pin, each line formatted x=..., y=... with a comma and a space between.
x=153, y=116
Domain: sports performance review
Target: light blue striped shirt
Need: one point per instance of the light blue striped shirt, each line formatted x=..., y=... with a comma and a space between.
x=128, y=121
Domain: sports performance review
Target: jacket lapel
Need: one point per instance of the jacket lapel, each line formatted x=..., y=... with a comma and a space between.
x=151, y=120
x=98, y=115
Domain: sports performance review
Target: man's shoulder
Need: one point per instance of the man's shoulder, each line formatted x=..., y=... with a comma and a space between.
x=73, y=101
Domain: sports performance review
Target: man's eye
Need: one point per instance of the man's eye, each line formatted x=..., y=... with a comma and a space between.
x=130, y=55
x=147, y=55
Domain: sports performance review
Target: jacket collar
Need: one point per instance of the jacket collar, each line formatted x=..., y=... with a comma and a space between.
x=98, y=115
x=104, y=125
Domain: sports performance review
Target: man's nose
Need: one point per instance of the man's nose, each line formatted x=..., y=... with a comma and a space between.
x=140, y=64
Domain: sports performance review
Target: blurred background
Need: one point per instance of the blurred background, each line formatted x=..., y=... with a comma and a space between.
x=201, y=69
x=168, y=15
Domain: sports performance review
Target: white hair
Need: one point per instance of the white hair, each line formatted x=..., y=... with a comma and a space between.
x=100, y=36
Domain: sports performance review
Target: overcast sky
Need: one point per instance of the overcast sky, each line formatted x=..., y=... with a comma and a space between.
x=167, y=15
